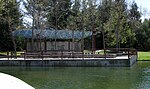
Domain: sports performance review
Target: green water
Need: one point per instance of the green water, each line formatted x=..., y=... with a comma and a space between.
x=136, y=77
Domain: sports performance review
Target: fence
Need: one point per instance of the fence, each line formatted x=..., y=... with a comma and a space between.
x=109, y=53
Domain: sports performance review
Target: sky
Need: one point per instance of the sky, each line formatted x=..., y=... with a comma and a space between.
x=144, y=7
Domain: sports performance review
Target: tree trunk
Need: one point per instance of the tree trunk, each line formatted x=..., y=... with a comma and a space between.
x=13, y=40
x=32, y=40
x=72, y=39
x=14, y=44
x=117, y=34
x=104, y=46
x=55, y=24
x=93, y=40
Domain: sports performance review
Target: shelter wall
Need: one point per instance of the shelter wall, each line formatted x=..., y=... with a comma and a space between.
x=60, y=45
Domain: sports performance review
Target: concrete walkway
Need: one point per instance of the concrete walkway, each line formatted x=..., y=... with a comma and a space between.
x=118, y=57
x=10, y=82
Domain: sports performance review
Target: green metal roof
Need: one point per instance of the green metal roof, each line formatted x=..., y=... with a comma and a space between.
x=50, y=34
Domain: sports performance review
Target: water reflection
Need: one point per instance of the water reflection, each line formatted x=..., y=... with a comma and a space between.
x=136, y=77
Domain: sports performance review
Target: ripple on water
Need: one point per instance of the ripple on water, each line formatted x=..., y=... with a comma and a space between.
x=136, y=77
x=147, y=70
x=145, y=79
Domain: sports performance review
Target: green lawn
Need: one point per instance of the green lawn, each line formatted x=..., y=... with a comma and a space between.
x=5, y=53
x=143, y=55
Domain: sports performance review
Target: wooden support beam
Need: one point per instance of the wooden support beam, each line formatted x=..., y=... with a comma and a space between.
x=45, y=45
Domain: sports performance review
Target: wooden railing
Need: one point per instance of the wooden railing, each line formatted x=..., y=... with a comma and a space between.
x=109, y=53
x=122, y=51
x=63, y=54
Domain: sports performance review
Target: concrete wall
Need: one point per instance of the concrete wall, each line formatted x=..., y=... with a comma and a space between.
x=71, y=63
x=133, y=59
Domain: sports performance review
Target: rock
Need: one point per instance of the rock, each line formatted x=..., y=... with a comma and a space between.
x=10, y=82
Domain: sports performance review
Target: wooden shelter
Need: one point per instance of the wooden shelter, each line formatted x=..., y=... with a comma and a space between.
x=51, y=39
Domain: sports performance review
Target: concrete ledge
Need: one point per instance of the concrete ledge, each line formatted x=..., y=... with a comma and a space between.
x=95, y=62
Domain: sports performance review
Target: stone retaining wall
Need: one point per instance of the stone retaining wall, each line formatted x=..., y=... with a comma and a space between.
x=72, y=63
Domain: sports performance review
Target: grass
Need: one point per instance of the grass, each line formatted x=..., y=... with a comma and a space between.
x=143, y=56
x=5, y=53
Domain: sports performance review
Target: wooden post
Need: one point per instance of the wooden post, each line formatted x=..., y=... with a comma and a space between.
x=40, y=45
x=136, y=55
x=82, y=44
x=45, y=44
x=69, y=46
x=61, y=54
x=42, y=54
x=128, y=54
x=8, y=54
x=73, y=43
x=27, y=41
x=104, y=47
x=25, y=46
x=105, y=53
x=93, y=41
x=24, y=55
x=37, y=44
x=69, y=53
x=30, y=46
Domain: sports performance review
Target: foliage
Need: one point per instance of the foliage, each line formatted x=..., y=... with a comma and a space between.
x=37, y=10
x=10, y=19
x=143, y=36
x=59, y=13
x=134, y=24
x=117, y=24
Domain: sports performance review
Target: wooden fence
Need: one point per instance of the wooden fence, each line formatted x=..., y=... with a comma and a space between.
x=109, y=53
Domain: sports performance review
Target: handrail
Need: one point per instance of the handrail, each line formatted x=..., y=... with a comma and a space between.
x=129, y=51
x=71, y=54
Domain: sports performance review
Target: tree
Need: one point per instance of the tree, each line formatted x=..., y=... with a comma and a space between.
x=103, y=15
x=10, y=20
x=134, y=23
x=143, y=36
x=38, y=11
x=59, y=13
x=117, y=25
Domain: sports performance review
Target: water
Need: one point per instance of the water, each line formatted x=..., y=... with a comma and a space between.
x=136, y=77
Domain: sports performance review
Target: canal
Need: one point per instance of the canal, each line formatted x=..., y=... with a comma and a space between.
x=135, y=77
